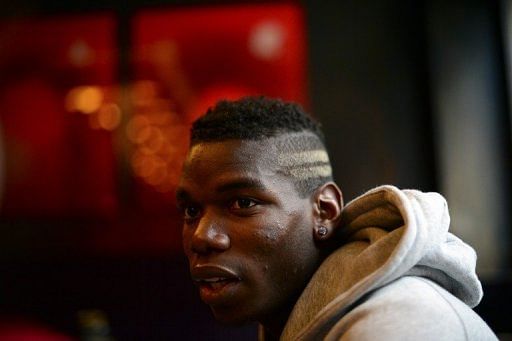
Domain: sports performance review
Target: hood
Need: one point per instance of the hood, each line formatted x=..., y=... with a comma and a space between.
x=385, y=234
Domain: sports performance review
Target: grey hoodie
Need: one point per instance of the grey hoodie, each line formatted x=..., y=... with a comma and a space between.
x=399, y=275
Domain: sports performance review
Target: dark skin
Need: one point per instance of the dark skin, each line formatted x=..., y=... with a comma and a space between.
x=250, y=238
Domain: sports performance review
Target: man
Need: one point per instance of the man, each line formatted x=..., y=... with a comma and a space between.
x=268, y=239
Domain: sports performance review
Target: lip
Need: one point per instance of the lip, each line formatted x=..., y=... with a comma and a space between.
x=216, y=283
x=201, y=272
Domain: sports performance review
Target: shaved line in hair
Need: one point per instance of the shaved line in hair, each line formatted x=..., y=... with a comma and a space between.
x=305, y=165
x=308, y=156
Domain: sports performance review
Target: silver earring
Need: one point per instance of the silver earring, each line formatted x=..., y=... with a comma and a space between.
x=322, y=231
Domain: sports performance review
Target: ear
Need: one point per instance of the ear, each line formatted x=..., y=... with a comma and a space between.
x=328, y=204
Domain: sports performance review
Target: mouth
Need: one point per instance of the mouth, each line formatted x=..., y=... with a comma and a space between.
x=216, y=284
x=217, y=290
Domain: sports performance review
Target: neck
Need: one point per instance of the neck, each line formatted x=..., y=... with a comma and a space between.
x=274, y=327
x=274, y=323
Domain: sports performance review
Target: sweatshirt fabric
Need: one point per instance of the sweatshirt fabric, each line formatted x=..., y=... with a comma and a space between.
x=398, y=275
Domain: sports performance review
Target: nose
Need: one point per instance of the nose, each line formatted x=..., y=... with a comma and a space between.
x=209, y=235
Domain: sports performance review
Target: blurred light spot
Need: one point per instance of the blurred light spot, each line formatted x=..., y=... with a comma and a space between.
x=109, y=116
x=137, y=160
x=86, y=99
x=80, y=54
x=266, y=40
x=143, y=165
x=158, y=174
x=143, y=134
x=138, y=129
x=151, y=168
x=158, y=136
x=155, y=140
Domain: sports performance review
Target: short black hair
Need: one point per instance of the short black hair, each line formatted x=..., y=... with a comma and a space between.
x=253, y=118
x=258, y=118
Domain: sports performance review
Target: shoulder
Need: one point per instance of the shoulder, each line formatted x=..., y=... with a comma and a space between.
x=411, y=308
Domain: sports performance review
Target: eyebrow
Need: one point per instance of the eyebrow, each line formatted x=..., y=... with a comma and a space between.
x=182, y=195
x=247, y=183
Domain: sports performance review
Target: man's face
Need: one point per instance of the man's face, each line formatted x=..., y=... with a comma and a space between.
x=247, y=233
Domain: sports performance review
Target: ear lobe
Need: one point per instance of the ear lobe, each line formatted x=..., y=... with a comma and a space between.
x=328, y=206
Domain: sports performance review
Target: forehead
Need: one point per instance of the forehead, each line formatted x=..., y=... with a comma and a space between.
x=231, y=157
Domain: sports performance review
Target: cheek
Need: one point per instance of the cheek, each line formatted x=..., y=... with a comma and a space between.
x=285, y=243
x=185, y=242
x=271, y=234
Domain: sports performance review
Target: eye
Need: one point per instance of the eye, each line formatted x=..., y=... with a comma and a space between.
x=242, y=203
x=191, y=212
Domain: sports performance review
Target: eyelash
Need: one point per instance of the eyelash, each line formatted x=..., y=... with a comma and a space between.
x=231, y=206
x=252, y=203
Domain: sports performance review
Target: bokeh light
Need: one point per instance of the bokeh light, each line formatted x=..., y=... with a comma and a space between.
x=84, y=99
x=109, y=116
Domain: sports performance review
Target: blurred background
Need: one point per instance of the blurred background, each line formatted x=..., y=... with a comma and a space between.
x=96, y=99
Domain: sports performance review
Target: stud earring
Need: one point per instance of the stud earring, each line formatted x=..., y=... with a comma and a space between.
x=322, y=231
